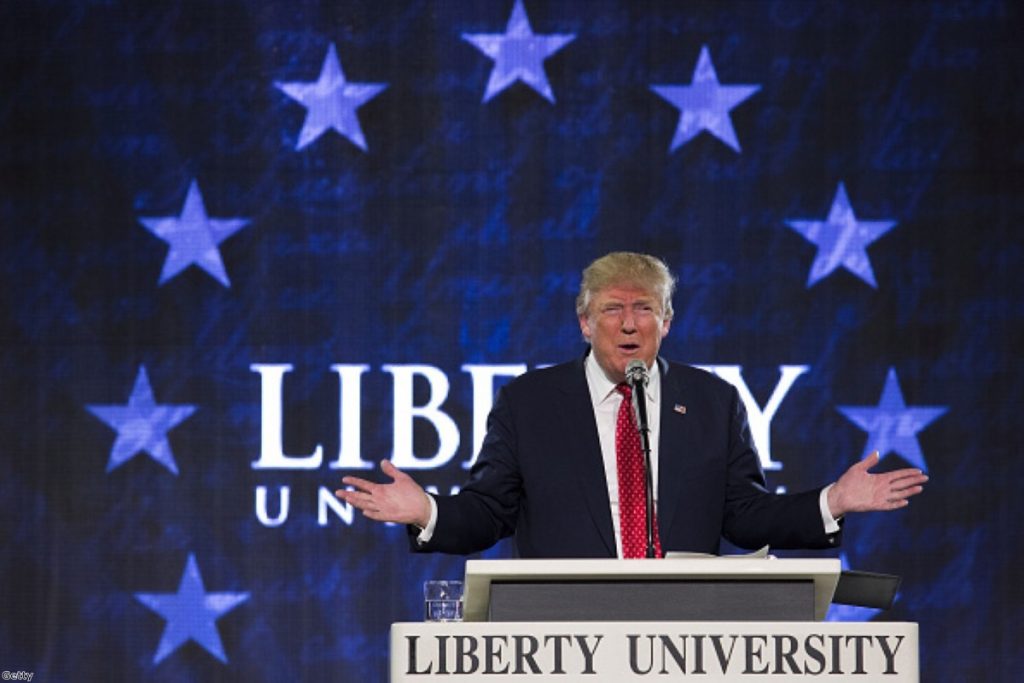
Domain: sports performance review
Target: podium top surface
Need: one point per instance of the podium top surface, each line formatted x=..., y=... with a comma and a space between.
x=481, y=573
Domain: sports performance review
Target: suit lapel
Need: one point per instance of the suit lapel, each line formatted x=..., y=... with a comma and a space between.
x=581, y=427
x=676, y=436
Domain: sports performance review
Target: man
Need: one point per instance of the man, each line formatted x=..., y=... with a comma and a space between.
x=560, y=465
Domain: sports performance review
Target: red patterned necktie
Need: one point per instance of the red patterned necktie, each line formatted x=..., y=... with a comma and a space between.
x=629, y=461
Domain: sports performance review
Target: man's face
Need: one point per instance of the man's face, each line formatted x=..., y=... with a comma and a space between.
x=623, y=323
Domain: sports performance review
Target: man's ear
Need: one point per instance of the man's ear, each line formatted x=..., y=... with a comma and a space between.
x=667, y=323
x=585, y=327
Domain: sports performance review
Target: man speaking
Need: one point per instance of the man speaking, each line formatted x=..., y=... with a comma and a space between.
x=562, y=467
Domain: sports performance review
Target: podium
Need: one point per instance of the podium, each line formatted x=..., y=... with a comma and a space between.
x=709, y=589
x=630, y=620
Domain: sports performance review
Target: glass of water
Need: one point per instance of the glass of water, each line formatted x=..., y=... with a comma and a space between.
x=442, y=600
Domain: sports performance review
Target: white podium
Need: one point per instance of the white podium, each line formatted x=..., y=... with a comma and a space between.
x=633, y=620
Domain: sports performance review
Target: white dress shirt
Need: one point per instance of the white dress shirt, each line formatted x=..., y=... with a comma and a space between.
x=606, y=400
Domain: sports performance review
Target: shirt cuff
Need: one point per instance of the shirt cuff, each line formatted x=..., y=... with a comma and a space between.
x=830, y=522
x=427, y=532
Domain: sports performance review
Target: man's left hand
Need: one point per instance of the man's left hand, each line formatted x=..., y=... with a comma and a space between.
x=860, y=491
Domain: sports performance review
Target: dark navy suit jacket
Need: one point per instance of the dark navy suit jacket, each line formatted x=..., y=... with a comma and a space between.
x=540, y=474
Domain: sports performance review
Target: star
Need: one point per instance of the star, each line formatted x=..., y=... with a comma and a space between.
x=705, y=104
x=841, y=240
x=892, y=427
x=193, y=237
x=191, y=613
x=142, y=425
x=518, y=54
x=837, y=612
x=331, y=102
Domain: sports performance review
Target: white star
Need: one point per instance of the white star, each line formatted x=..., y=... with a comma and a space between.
x=142, y=425
x=892, y=427
x=518, y=54
x=193, y=237
x=331, y=102
x=705, y=104
x=191, y=613
x=842, y=240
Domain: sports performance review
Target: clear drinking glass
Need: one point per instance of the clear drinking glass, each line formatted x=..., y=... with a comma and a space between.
x=442, y=600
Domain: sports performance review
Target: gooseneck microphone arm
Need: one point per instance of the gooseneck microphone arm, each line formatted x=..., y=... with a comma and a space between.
x=636, y=377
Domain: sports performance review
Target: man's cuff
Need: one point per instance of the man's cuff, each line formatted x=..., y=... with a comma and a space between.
x=830, y=522
x=427, y=532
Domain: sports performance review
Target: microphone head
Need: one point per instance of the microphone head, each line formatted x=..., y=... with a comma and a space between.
x=636, y=372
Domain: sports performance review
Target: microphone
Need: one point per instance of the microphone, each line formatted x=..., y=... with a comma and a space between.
x=637, y=378
x=636, y=371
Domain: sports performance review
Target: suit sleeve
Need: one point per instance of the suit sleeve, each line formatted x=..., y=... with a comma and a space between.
x=487, y=507
x=754, y=516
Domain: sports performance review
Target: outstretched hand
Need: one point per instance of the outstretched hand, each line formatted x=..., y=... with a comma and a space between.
x=860, y=491
x=402, y=501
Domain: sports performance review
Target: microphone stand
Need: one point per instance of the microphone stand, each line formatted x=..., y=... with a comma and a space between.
x=638, y=383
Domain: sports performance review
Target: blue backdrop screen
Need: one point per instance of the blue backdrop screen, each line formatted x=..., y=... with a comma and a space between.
x=251, y=247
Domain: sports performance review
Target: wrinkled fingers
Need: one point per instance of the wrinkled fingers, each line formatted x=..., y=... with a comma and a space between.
x=360, y=499
x=360, y=484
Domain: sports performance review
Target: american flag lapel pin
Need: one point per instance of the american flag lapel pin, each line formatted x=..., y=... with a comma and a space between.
x=680, y=408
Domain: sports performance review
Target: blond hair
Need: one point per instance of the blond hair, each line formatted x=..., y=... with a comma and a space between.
x=627, y=268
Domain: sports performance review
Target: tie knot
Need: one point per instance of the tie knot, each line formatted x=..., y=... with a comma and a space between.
x=625, y=390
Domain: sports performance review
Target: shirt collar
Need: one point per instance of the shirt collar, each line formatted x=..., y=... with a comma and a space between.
x=601, y=388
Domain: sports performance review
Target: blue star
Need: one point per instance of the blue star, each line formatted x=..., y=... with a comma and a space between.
x=331, y=102
x=841, y=240
x=705, y=104
x=191, y=613
x=518, y=54
x=142, y=425
x=838, y=612
x=194, y=237
x=892, y=427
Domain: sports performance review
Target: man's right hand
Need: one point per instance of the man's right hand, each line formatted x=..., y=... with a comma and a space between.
x=403, y=501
